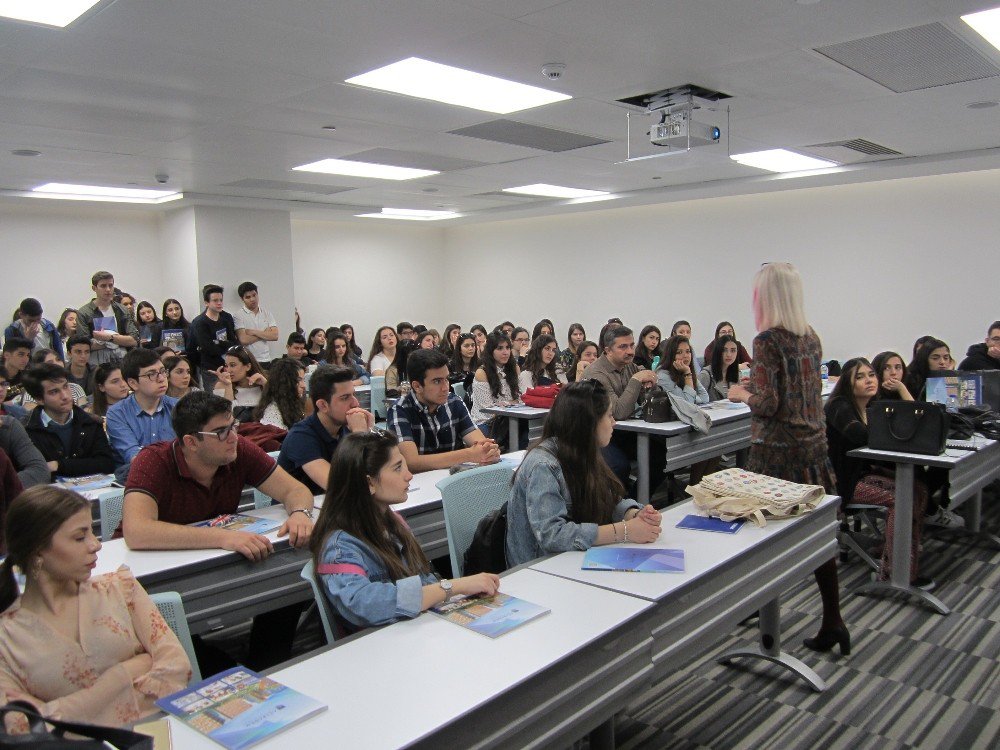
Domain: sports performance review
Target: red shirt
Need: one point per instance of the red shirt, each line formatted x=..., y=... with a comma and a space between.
x=161, y=472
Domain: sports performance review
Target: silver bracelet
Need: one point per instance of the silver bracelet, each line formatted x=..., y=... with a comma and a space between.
x=625, y=529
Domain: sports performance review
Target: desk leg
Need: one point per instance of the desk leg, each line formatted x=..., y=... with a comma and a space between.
x=901, y=545
x=975, y=522
x=513, y=433
x=769, y=648
x=642, y=458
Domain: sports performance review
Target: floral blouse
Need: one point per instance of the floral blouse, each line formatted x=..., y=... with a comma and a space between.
x=86, y=681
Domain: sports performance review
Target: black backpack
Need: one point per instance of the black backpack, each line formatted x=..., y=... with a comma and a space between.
x=486, y=552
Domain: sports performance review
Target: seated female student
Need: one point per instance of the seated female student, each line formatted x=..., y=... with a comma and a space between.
x=426, y=340
x=94, y=650
x=683, y=328
x=521, y=340
x=648, y=346
x=397, y=382
x=496, y=381
x=109, y=388
x=464, y=362
x=676, y=375
x=564, y=495
x=586, y=355
x=859, y=480
x=541, y=366
x=338, y=352
x=178, y=376
x=479, y=331
x=574, y=338
x=367, y=560
x=242, y=381
x=725, y=328
x=174, y=321
x=890, y=369
x=383, y=350
x=722, y=370
x=933, y=356
x=150, y=326
x=67, y=324
x=283, y=402
x=543, y=327
x=315, y=345
x=352, y=344
x=450, y=340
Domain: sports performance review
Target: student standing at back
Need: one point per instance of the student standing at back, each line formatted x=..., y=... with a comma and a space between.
x=212, y=334
x=255, y=326
x=109, y=325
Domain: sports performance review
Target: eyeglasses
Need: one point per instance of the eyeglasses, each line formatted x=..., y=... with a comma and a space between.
x=237, y=348
x=160, y=374
x=222, y=433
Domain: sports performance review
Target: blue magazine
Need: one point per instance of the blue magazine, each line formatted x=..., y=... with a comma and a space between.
x=634, y=560
x=239, y=708
x=490, y=615
x=707, y=523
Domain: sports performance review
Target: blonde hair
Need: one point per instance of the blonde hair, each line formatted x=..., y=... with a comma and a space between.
x=778, y=299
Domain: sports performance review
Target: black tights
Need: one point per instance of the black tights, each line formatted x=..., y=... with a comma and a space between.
x=829, y=591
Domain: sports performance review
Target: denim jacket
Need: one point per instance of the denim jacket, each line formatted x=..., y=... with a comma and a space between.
x=694, y=394
x=362, y=601
x=538, y=513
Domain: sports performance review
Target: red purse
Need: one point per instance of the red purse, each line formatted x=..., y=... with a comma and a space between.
x=541, y=397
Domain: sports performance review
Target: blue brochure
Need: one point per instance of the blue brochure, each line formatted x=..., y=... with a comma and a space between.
x=634, y=560
x=707, y=523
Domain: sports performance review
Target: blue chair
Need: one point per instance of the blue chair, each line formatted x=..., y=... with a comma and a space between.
x=468, y=497
x=459, y=390
x=260, y=500
x=378, y=397
x=111, y=503
x=322, y=603
x=172, y=608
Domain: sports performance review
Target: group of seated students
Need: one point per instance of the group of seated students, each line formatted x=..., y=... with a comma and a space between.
x=183, y=460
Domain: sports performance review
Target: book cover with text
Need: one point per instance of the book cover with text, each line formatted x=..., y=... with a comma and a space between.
x=490, y=615
x=634, y=560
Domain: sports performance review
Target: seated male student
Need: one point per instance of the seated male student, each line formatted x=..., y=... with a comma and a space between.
x=308, y=447
x=985, y=356
x=200, y=475
x=295, y=348
x=72, y=441
x=29, y=324
x=28, y=462
x=143, y=418
x=78, y=368
x=404, y=331
x=15, y=357
x=433, y=425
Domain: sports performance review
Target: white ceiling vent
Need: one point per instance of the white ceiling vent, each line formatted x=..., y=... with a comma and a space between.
x=921, y=57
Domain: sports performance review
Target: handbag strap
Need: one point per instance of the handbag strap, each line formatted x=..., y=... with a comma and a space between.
x=918, y=413
x=123, y=739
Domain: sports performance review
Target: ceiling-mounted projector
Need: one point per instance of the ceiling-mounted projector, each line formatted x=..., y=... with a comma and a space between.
x=672, y=128
x=678, y=130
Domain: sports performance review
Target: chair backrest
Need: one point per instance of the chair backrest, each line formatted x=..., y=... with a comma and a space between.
x=459, y=389
x=468, y=497
x=111, y=503
x=172, y=608
x=260, y=500
x=378, y=396
x=322, y=603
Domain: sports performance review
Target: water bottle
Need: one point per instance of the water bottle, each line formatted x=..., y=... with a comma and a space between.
x=824, y=372
x=656, y=362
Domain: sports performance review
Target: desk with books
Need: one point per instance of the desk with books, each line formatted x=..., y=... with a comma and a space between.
x=969, y=471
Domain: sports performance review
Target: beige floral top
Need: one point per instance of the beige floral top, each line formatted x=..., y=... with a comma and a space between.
x=86, y=681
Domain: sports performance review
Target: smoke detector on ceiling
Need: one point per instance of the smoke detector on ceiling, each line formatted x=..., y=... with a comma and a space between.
x=553, y=71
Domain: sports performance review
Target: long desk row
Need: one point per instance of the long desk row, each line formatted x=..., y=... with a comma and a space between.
x=607, y=638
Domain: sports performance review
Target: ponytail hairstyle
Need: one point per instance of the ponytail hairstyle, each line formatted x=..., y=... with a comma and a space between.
x=594, y=490
x=349, y=506
x=32, y=519
x=489, y=366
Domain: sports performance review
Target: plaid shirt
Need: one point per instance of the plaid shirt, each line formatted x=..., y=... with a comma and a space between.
x=440, y=431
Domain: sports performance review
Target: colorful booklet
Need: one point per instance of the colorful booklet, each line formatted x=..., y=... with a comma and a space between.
x=634, y=560
x=174, y=338
x=240, y=522
x=490, y=615
x=707, y=523
x=239, y=708
x=87, y=482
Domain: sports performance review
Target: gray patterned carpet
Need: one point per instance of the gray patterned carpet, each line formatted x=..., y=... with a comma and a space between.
x=915, y=679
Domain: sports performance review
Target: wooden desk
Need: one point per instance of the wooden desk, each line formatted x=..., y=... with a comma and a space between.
x=726, y=578
x=968, y=473
x=428, y=683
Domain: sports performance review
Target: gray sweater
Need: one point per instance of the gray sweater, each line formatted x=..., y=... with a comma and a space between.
x=30, y=465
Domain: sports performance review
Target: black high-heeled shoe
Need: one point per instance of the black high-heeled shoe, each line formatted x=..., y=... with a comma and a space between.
x=826, y=639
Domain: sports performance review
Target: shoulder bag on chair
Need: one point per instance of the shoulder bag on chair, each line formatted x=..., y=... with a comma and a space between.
x=86, y=736
x=656, y=406
x=907, y=427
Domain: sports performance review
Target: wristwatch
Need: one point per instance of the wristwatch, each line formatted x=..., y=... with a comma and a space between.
x=445, y=584
x=308, y=512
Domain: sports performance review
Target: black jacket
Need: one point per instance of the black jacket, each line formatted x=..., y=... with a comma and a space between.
x=977, y=359
x=90, y=452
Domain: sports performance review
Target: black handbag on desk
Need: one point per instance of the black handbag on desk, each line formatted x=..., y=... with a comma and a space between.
x=907, y=427
x=656, y=407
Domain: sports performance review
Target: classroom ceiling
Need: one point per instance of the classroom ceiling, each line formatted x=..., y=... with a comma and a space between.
x=227, y=96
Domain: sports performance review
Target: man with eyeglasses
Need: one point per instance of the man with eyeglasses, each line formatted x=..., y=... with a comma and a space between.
x=143, y=418
x=985, y=356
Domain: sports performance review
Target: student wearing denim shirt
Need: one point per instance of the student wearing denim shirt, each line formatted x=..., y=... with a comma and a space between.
x=565, y=496
x=144, y=417
x=369, y=564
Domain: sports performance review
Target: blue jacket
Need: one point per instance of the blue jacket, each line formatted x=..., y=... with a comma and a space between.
x=364, y=594
x=538, y=513
x=15, y=330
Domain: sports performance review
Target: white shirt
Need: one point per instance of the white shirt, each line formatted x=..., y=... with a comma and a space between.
x=259, y=321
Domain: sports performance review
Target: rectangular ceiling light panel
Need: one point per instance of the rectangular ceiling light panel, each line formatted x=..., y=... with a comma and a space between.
x=363, y=169
x=64, y=191
x=59, y=13
x=443, y=83
x=554, y=191
x=987, y=25
x=781, y=160
x=410, y=214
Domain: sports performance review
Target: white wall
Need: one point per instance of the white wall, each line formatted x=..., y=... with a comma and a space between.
x=883, y=263
x=369, y=274
x=179, y=261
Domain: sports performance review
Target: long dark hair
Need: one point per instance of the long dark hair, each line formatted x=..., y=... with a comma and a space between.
x=282, y=389
x=571, y=375
x=138, y=309
x=171, y=363
x=669, y=349
x=99, y=401
x=349, y=506
x=61, y=328
x=879, y=361
x=573, y=327
x=844, y=387
x=641, y=343
x=594, y=490
x=489, y=365
x=920, y=368
x=330, y=358
x=457, y=361
x=722, y=325
x=246, y=358
x=533, y=360
x=537, y=330
x=352, y=344
x=677, y=324
x=183, y=323
x=446, y=346
x=32, y=519
x=377, y=343
x=310, y=343
x=732, y=373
